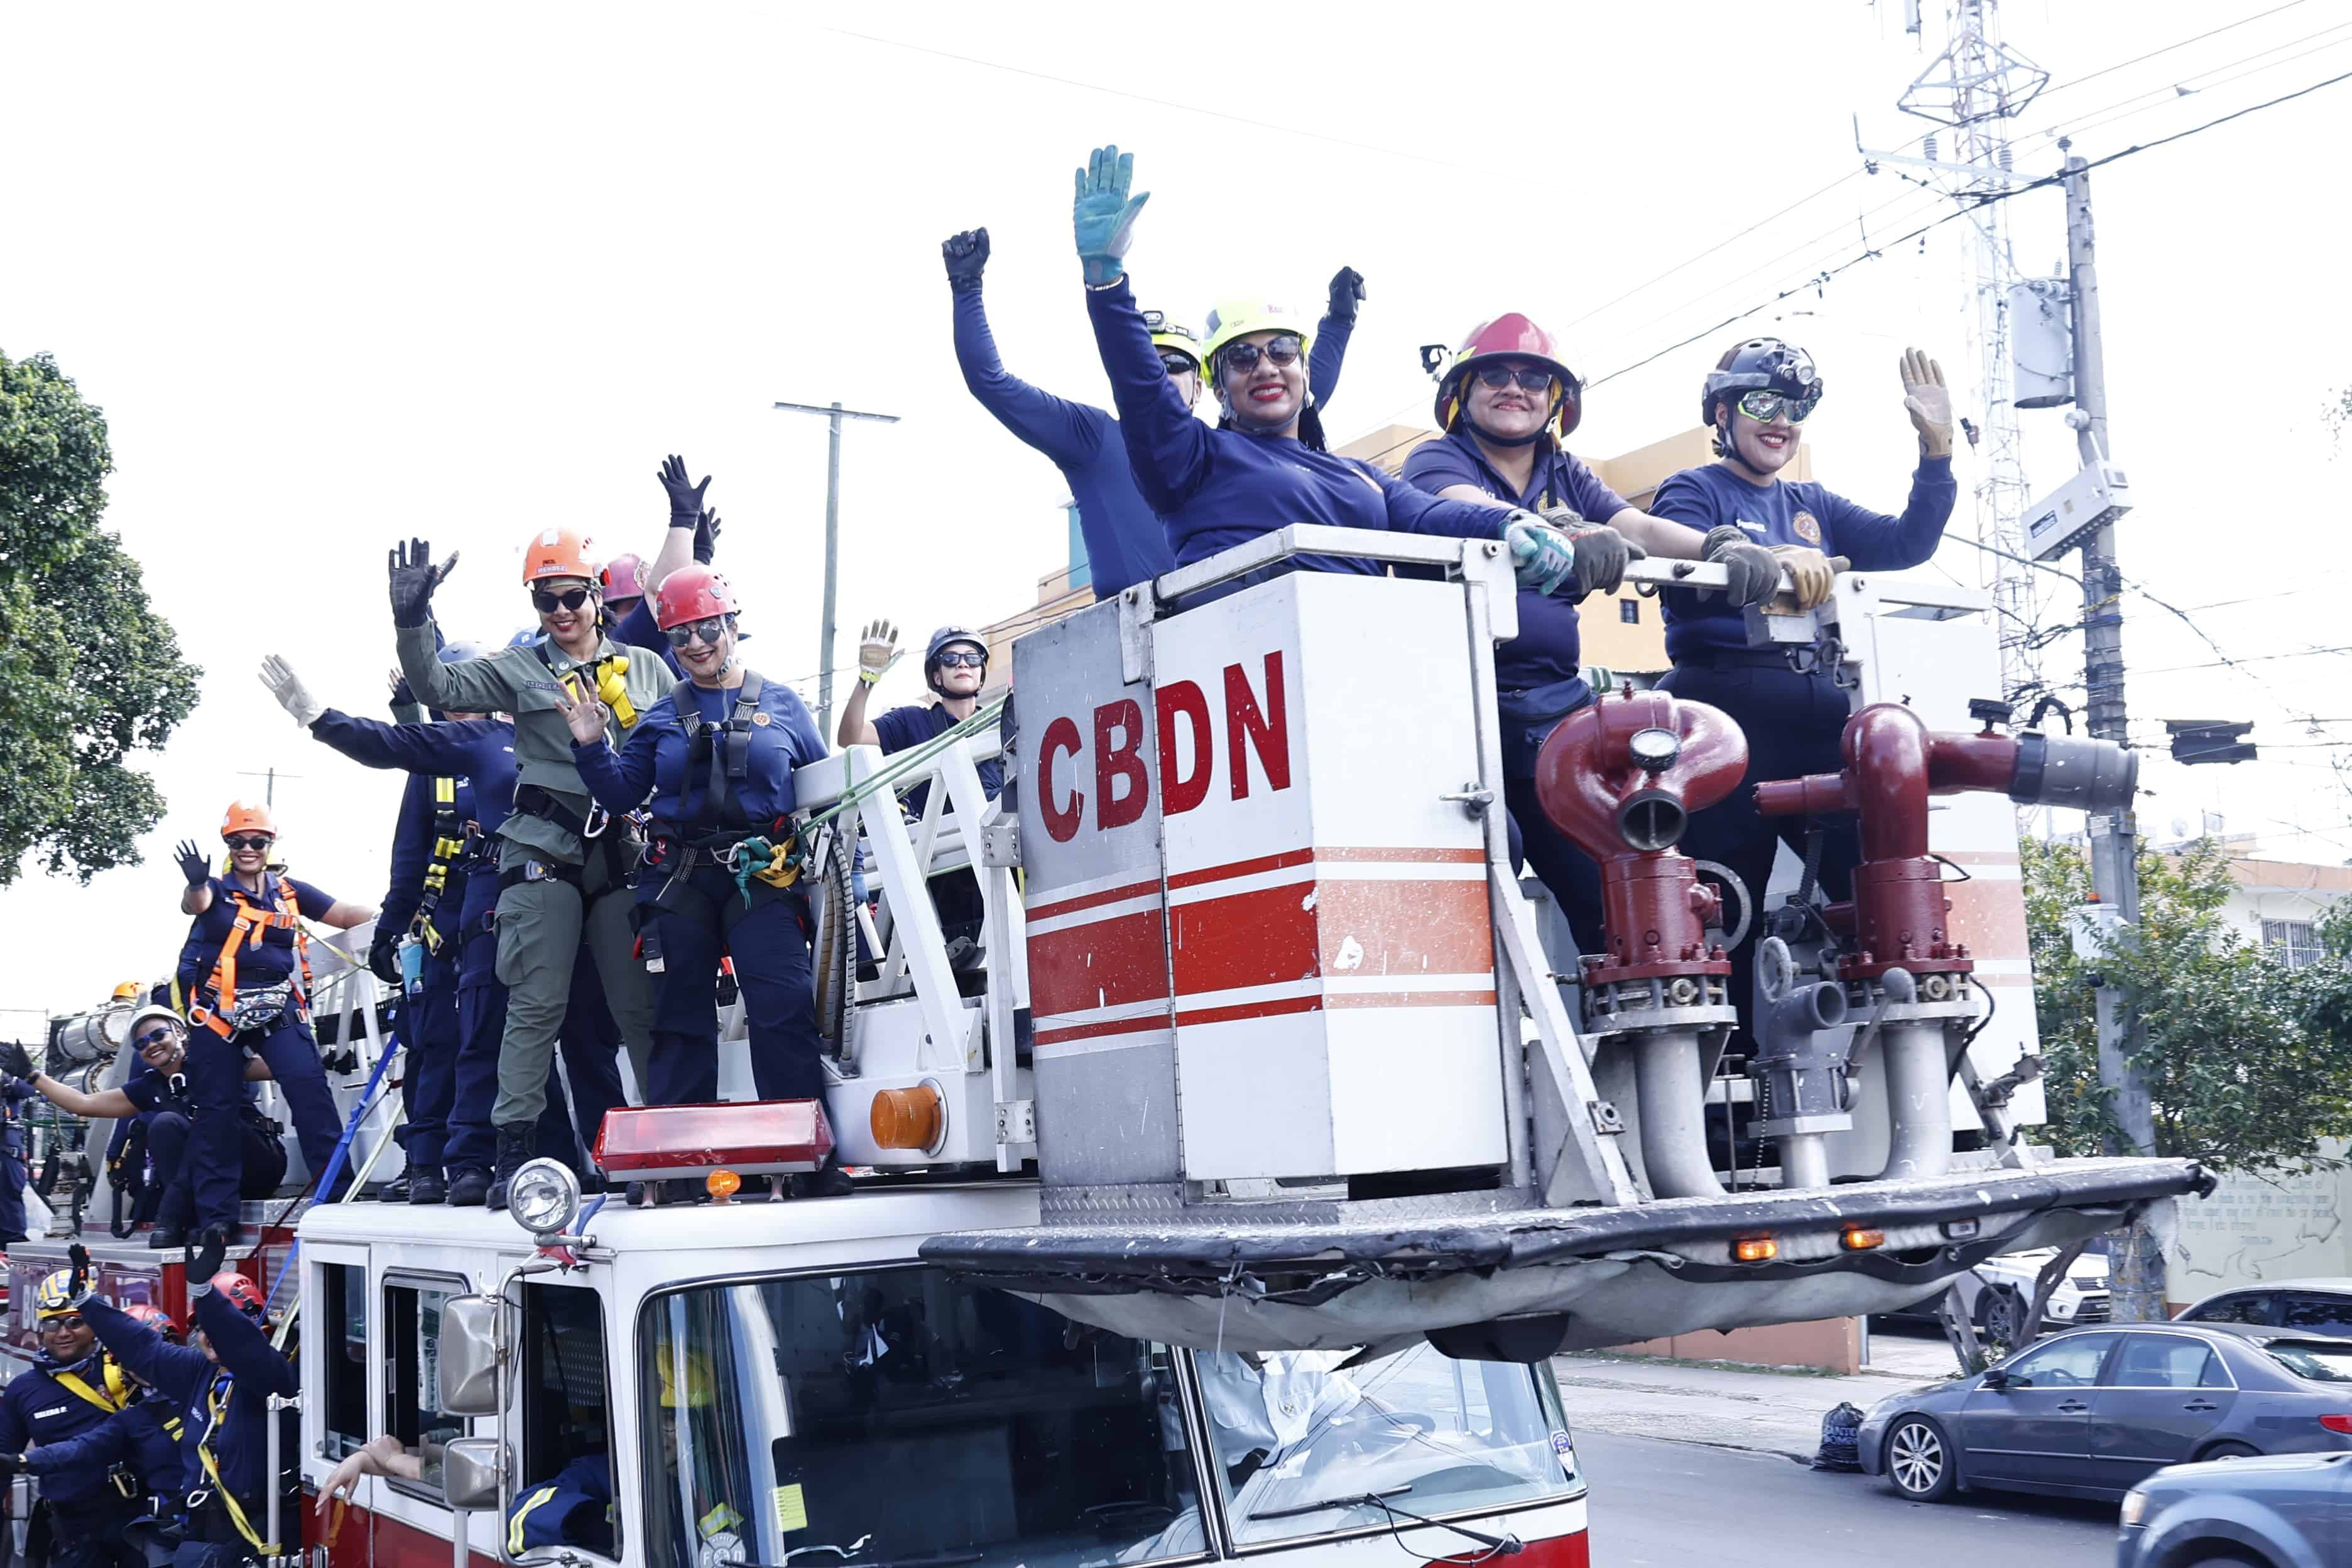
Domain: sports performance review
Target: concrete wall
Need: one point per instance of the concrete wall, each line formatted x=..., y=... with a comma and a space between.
x=1832, y=1344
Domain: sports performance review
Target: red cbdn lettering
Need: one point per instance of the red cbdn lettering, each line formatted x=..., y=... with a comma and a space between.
x=1269, y=734
x=1119, y=761
x=1061, y=822
x=1178, y=792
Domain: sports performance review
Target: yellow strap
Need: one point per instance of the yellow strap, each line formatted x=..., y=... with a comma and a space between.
x=522, y=1512
x=212, y=1473
x=73, y=1382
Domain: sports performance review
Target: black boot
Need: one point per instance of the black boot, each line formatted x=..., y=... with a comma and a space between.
x=427, y=1187
x=515, y=1141
x=164, y=1236
x=830, y=1181
x=468, y=1188
x=396, y=1189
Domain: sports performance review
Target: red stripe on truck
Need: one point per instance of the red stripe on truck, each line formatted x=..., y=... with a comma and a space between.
x=1104, y=962
x=1303, y=930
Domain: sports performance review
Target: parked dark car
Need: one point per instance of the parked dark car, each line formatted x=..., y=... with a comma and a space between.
x=2290, y=1510
x=2301, y=1305
x=2091, y=1412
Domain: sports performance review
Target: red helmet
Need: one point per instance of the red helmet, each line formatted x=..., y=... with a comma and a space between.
x=1514, y=337
x=559, y=552
x=692, y=594
x=625, y=577
x=242, y=1293
x=243, y=817
x=156, y=1319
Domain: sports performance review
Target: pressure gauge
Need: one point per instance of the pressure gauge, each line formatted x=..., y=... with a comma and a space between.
x=1653, y=750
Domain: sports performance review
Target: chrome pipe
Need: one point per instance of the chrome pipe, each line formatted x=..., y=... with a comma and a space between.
x=1918, y=1101
x=1804, y=1161
x=1674, y=1115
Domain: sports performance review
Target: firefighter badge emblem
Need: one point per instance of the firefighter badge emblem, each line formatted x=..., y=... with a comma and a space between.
x=1806, y=528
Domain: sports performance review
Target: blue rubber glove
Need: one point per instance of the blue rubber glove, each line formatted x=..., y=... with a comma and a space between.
x=1104, y=217
x=1541, y=555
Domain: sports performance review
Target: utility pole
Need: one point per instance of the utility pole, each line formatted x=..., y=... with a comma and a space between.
x=2136, y=1263
x=833, y=415
x=269, y=785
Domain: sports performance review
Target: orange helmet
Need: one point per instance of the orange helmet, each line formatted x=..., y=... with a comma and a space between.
x=128, y=991
x=243, y=816
x=559, y=552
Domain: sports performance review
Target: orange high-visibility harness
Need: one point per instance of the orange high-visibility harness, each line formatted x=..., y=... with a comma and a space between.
x=253, y=923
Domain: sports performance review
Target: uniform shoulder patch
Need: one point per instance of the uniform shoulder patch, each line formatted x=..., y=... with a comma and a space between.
x=1807, y=528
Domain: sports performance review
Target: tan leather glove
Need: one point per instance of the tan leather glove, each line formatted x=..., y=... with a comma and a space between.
x=1812, y=572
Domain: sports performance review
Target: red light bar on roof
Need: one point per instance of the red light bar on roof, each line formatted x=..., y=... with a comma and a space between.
x=655, y=1142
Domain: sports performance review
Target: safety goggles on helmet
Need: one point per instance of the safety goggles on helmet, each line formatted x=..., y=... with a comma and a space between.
x=1530, y=377
x=1764, y=406
x=237, y=841
x=711, y=629
x=963, y=658
x=1282, y=350
x=68, y=1321
x=547, y=604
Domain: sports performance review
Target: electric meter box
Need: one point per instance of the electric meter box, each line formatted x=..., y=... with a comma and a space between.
x=1261, y=945
x=2092, y=499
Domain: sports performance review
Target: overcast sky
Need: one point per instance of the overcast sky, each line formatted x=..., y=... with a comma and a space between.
x=340, y=275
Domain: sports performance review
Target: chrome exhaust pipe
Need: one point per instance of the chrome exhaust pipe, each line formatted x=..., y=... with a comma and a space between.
x=1674, y=1115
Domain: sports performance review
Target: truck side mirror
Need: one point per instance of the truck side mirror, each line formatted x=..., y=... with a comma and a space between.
x=469, y=1355
x=472, y=1471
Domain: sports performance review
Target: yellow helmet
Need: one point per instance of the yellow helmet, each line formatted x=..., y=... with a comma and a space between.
x=699, y=1389
x=54, y=1297
x=128, y=991
x=1238, y=317
x=1173, y=334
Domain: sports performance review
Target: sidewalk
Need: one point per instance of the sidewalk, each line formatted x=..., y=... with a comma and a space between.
x=1722, y=1405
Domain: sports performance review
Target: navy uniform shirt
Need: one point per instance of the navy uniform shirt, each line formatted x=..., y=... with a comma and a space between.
x=1215, y=489
x=1542, y=664
x=903, y=728
x=653, y=762
x=225, y=1407
x=37, y=1409
x=268, y=964
x=144, y=1435
x=1801, y=512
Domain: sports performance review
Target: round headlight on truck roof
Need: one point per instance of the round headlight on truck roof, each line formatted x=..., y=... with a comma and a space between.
x=545, y=1197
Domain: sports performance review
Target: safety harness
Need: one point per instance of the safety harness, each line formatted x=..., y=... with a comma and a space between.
x=536, y=800
x=117, y=1396
x=216, y=1405
x=451, y=838
x=254, y=921
x=721, y=830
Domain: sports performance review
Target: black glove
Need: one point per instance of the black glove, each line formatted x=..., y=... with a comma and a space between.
x=208, y=1261
x=383, y=956
x=1602, y=553
x=1755, y=574
x=684, y=498
x=15, y=1061
x=414, y=578
x=193, y=863
x=1346, y=293
x=12, y=1461
x=77, y=1282
x=966, y=255
x=706, y=536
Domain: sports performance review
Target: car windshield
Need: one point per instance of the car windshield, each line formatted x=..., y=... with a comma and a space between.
x=902, y=1419
x=2317, y=1360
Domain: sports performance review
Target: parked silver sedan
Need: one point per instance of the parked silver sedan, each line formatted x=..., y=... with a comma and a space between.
x=2091, y=1412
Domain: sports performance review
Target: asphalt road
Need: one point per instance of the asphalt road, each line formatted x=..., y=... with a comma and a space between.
x=1656, y=1504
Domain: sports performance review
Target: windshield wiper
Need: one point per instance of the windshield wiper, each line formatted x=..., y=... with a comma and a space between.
x=1352, y=1499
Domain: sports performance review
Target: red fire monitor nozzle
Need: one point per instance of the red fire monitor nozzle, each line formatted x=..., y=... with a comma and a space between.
x=1893, y=763
x=1619, y=779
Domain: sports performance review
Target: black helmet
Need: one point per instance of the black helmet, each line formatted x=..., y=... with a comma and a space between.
x=1758, y=364
x=940, y=642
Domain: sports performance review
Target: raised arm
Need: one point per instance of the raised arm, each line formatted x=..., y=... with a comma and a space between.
x=106, y=1103
x=475, y=685
x=1067, y=432
x=106, y=1444
x=241, y=1345
x=684, y=515
x=178, y=1370
x=1331, y=335
x=878, y=650
x=415, y=748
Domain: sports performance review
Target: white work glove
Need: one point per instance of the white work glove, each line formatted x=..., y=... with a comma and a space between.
x=291, y=694
x=1929, y=401
x=1541, y=555
x=878, y=650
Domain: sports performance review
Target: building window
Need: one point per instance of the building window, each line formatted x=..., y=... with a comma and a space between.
x=1630, y=611
x=2291, y=941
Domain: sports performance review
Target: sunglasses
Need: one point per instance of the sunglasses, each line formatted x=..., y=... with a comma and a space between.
x=1281, y=350
x=1763, y=406
x=152, y=1038
x=1176, y=364
x=71, y=1322
x=547, y=604
x=1499, y=376
x=711, y=629
x=237, y=841
x=964, y=660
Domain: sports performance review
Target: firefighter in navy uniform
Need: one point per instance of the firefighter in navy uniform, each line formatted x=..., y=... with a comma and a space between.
x=70, y=1389
x=222, y=1386
x=146, y=1438
x=245, y=971
x=1791, y=710
x=431, y=852
x=717, y=757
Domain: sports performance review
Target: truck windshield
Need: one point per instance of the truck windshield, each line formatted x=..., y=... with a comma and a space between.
x=896, y=1418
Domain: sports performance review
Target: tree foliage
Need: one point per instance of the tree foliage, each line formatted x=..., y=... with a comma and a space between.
x=2248, y=1062
x=89, y=672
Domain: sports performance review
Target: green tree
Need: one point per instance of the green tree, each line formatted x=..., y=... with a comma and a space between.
x=2248, y=1062
x=89, y=672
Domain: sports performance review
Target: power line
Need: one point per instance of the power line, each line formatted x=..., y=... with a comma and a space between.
x=2167, y=94
x=1720, y=245
x=1969, y=204
x=2073, y=82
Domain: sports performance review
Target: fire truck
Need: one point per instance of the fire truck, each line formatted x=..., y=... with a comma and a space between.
x=1227, y=1191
